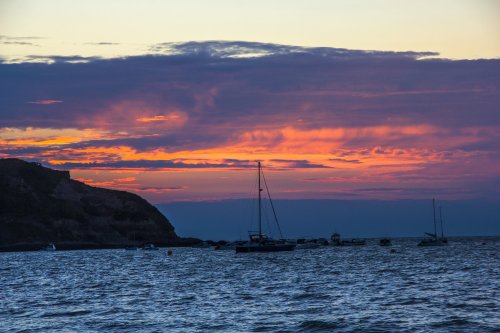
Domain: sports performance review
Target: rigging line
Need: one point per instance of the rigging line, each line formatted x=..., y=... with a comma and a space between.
x=267, y=219
x=441, y=220
x=272, y=205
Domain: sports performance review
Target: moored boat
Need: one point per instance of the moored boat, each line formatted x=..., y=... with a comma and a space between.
x=337, y=241
x=227, y=246
x=434, y=239
x=258, y=242
x=150, y=247
x=307, y=244
x=385, y=242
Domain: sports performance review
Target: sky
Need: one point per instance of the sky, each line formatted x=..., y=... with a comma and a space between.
x=321, y=218
x=457, y=29
x=177, y=100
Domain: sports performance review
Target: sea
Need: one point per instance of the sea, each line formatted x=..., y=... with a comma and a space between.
x=402, y=288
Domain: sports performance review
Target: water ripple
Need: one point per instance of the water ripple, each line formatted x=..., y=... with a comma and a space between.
x=450, y=289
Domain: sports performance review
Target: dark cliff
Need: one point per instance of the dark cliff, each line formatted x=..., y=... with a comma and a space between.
x=39, y=205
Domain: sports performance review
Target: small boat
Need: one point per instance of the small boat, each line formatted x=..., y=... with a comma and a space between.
x=353, y=242
x=307, y=244
x=434, y=239
x=150, y=247
x=51, y=247
x=264, y=244
x=258, y=242
x=202, y=245
x=337, y=241
x=222, y=246
x=225, y=246
x=385, y=242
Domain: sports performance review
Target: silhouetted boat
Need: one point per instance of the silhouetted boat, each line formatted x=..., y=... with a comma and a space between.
x=259, y=242
x=227, y=246
x=202, y=245
x=385, y=242
x=434, y=239
x=337, y=241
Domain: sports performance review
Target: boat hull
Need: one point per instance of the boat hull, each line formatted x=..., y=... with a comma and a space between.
x=349, y=243
x=265, y=248
x=307, y=246
x=433, y=243
x=385, y=242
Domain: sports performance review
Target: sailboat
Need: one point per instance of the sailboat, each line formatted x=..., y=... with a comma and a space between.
x=259, y=242
x=434, y=239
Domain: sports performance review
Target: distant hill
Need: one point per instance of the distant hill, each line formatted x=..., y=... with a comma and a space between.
x=39, y=205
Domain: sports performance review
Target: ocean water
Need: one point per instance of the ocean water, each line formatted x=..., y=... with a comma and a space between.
x=351, y=289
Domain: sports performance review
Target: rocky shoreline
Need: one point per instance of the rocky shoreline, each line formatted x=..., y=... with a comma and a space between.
x=70, y=246
x=39, y=205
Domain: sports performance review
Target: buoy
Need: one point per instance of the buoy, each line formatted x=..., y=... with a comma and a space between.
x=169, y=252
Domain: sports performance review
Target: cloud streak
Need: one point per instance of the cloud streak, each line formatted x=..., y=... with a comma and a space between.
x=46, y=102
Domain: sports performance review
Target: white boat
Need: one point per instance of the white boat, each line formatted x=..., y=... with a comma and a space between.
x=434, y=239
x=51, y=247
x=259, y=242
x=150, y=247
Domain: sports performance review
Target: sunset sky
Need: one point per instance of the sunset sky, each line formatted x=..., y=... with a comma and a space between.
x=176, y=100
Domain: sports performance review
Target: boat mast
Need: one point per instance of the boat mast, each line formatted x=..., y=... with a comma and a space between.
x=441, y=220
x=260, y=213
x=434, y=216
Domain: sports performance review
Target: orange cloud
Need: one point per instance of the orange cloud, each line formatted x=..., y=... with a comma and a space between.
x=321, y=162
x=125, y=180
x=279, y=147
x=40, y=137
x=132, y=116
x=158, y=118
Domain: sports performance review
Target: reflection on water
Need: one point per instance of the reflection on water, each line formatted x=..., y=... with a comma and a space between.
x=453, y=288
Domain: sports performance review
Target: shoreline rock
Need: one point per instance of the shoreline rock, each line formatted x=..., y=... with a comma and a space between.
x=39, y=205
